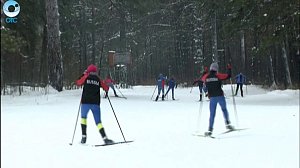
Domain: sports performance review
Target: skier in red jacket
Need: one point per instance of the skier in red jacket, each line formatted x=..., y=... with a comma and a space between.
x=90, y=100
x=110, y=83
x=213, y=82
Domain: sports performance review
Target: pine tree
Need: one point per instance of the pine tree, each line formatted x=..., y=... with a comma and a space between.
x=53, y=46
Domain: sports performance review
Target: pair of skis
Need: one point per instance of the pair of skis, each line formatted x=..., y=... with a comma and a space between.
x=213, y=137
x=106, y=144
x=114, y=143
x=118, y=97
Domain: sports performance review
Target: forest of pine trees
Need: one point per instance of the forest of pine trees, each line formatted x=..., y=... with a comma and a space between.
x=55, y=40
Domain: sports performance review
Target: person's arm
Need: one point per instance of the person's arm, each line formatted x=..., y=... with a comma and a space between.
x=82, y=79
x=196, y=81
x=104, y=86
x=223, y=76
x=204, y=77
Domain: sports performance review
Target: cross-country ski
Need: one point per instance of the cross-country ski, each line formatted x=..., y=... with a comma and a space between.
x=113, y=143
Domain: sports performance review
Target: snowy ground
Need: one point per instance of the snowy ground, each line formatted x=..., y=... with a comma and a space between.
x=36, y=130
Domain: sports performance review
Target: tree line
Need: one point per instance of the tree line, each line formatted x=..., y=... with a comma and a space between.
x=54, y=41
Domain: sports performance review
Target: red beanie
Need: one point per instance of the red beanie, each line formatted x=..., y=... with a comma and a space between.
x=92, y=68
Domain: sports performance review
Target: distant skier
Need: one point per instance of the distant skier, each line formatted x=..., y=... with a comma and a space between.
x=172, y=84
x=109, y=82
x=90, y=100
x=240, y=80
x=213, y=82
x=160, y=86
x=200, y=82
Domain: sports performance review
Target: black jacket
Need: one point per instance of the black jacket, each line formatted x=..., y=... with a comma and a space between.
x=91, y=90
x=213, y=82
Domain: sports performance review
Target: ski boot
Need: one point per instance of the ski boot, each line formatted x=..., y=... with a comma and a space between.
x=115, y=93
x=107, y=141
x=208, y=133
x=229, y=127
x=83, y=130
x=156, y=98
x=106, y=94
x=83, y=139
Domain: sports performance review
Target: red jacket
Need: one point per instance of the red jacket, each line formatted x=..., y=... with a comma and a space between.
x=213, y=83
x=109, y=81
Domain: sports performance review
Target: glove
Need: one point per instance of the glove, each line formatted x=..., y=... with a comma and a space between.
x=228, y=66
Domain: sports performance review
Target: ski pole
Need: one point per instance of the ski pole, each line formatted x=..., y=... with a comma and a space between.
x=234, y=104
x=76, y=123
x=166, y=95
x=120, y=92
x=116, y=118
x=153, y=92
x=199, y=115
x=191, y=89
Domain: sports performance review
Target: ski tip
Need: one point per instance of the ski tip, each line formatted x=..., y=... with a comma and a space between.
x=234, y=130
x=70, y=144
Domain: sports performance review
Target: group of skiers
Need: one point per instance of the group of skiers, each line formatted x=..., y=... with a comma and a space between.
x=210, y=82
x=161, y=86
x=240, y=80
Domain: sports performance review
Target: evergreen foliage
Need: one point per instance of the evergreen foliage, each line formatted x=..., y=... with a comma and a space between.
x=177, y=38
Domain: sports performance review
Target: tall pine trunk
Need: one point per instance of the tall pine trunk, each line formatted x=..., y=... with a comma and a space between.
x=54, y=55
x=214, y=39
x=273, y=86
x=243, y=52
x=93, y=37
x=286, y=66
x=83, y=39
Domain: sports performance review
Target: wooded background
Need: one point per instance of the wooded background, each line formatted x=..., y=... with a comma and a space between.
x=177, y=38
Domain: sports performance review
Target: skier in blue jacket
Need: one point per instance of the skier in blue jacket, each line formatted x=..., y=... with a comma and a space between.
x=240, y=80
x=160, y=86
x=172, y=84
